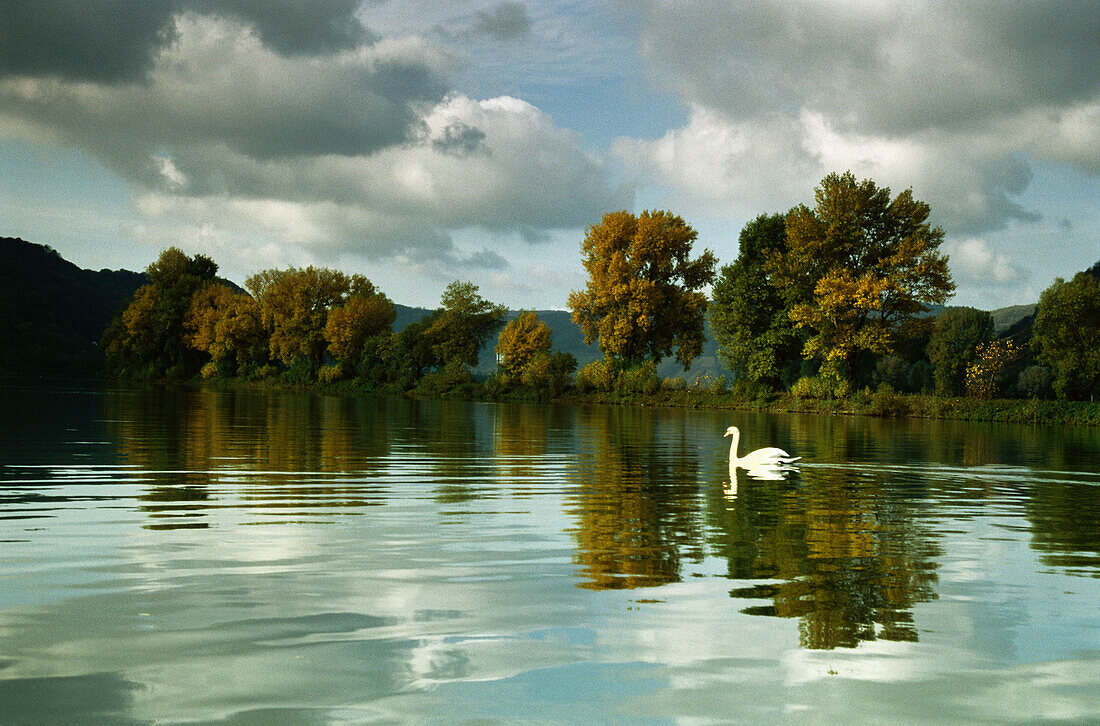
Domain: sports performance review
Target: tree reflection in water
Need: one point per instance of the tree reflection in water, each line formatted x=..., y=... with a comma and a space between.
x=638, y=504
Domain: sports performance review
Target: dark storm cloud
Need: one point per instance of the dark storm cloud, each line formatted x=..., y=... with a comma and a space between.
x=110, y=41
x=98, y=40
x=459, y=139
x=506, y=21
x=892, y=67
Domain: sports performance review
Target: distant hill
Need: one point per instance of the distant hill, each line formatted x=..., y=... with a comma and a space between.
x=1006, y=318
x=568, y=338
x=52, y=313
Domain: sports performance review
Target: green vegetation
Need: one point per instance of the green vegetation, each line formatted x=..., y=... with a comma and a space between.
x=833, y=308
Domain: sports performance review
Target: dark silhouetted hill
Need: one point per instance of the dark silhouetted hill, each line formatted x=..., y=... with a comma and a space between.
x=52, y=313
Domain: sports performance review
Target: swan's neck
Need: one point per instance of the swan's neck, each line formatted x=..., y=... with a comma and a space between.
x=733, y=445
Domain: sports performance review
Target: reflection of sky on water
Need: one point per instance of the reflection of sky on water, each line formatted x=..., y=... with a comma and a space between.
x=432, y=572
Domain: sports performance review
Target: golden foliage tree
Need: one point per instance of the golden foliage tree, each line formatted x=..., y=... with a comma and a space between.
x=857, y=266
x=642, y=299
x=366, y=314
x=147, y=338
x=521, y=340
x=294, y=307
x=227, y=325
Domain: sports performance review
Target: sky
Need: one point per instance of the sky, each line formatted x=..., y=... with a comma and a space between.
x=418, y=142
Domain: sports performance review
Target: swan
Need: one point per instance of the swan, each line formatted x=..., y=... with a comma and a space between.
x=762, y=459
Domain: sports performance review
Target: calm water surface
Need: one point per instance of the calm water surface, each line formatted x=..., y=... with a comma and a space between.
x=177, y=556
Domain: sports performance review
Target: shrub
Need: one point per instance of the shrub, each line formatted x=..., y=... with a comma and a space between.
x=1035, y=382
x=329, y=374
x=210, y=370
x=813, y=387
x=676, y=383
x=719, y=385
x=599, y=375
x=641, y=378
x=892, y=371
x=885, y=402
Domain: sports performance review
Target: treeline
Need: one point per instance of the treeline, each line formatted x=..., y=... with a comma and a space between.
x=822, y=302
x=316, y=324
x=830, y=300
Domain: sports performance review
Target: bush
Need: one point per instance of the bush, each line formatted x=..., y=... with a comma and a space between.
x=885, y=402
x=329, y=374
x=816, y=387
x=599, y=375
x=641, y=378
x=210, y=370
x=1035, y=382
x=676, y=383
x=892, y=371
x=719, y=385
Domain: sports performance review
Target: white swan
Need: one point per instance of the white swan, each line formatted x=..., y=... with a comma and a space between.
x=762, y=459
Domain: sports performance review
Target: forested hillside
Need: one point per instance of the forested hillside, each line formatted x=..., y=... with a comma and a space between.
x=52, y=313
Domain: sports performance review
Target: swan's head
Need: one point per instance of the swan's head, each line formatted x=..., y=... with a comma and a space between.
x=731, y=431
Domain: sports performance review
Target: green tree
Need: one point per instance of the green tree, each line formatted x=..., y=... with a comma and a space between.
x=857, y=266
x=1067, y=335
x=367, y=314
x=294, y=307
x=642, y=299
x=523, y=338
x=465, y=322
x=748, y=313
x=148, y=337
x=413, y=348
x=955, y=338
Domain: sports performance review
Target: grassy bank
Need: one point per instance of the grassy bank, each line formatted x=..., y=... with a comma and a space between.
x=882, y=403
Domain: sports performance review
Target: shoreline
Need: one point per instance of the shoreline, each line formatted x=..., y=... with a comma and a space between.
x=878, y=404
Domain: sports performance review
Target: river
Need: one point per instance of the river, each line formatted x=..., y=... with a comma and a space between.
x=276, y=557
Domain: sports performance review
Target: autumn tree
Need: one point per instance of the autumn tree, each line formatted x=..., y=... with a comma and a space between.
x=748, y=312
x=226, y=325
x=148, y=337
x=857, y=266
x=955, y=339
x=353, y=329
x=524, y=337
x=464, y=324
x=642, y=299
x=1067, y=335
x=294, y=307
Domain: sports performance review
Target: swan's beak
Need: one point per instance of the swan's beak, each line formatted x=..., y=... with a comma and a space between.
x=725, y=434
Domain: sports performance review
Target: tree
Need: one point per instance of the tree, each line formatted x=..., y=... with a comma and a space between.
x=294, y=307
x=1067, y=335
x=642, y=299
x=987, y=375
x=148, y=336
x=857, y=266
x=748, y=313
x=522, y=339
x=227, y=325
x=955, y=338
x=464, y=324
x=367, y=314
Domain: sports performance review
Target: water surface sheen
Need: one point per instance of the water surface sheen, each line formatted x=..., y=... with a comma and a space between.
x=243, y=557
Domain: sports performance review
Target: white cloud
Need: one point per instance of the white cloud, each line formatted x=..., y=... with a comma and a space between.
x=352, y=153
x=973, y=260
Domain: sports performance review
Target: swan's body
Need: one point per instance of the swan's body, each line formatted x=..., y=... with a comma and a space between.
x=769, y=457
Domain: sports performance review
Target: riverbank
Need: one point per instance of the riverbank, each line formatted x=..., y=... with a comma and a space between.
x=882, y=403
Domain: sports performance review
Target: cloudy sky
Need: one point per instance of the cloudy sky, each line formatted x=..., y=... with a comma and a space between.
x=419, y=142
